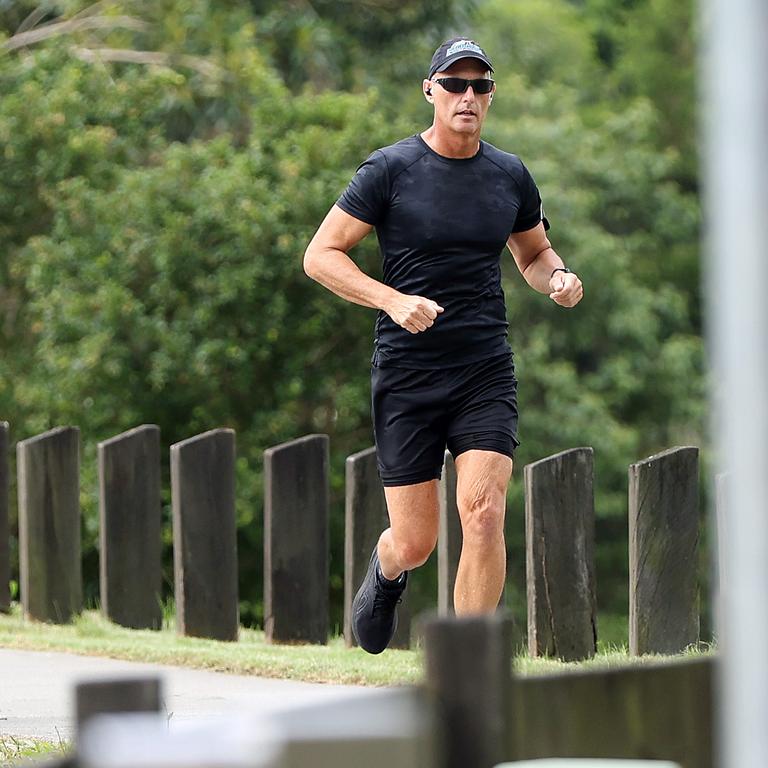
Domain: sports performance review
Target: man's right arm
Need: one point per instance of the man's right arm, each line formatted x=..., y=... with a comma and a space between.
x=327, y=262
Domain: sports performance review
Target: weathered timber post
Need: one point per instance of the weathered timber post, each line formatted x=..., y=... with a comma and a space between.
x=469, y=677
x=663, y=552
x=204, y=536
x=560, y=555
x=115, y=697
x=5, y=553
x=49, y=525
x=129, y=514
x=364, y=519
x=449, y=538
x=655, y=711
x=296, y=501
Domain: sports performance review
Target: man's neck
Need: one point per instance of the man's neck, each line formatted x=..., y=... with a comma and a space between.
x=451, y=144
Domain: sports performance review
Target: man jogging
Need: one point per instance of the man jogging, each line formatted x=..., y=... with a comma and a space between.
x=444, y=205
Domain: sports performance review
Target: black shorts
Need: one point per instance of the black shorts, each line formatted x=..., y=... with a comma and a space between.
x=417, y=413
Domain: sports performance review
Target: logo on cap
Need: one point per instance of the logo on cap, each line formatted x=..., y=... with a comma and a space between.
x=464, y=45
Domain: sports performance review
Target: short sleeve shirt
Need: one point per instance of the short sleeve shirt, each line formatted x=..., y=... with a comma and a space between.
x=442, y=224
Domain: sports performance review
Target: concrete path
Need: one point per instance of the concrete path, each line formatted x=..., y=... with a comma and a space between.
x=36, y=691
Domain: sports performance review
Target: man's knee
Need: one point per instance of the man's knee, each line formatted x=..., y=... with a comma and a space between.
x=482, y=518
x=413, y=551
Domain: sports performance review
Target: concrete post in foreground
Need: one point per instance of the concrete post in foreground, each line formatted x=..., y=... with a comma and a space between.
x=129, y=515
x=365, y=518
x=5, y=553
x=565, y=762
x=116, y=696
x=663, y=552
x=296, y=500
x=560, y=555
x=204, y=536
x=722, y=480
x=379, y=729
x=721, y=526
x=49, y=525
x=449, y=538
x=469, y=671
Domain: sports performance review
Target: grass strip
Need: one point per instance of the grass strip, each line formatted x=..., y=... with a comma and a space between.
x=92, y=635
x=15, y=750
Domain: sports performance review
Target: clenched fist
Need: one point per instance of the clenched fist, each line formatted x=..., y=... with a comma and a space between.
x=414, y=313
x=565, y=289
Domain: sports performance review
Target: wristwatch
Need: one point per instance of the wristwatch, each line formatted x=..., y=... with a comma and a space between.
x=559, y=269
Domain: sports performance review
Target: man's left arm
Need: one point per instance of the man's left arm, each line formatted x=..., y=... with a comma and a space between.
x=537, y=260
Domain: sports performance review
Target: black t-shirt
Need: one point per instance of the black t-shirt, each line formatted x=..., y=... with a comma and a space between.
x=442, y=224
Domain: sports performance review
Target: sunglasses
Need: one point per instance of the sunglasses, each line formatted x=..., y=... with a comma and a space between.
x=480, y=85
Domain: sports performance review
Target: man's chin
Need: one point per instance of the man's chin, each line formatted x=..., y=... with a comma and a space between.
x=466, y=126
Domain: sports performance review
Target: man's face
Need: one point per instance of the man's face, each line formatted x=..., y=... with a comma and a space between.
x=461, y=112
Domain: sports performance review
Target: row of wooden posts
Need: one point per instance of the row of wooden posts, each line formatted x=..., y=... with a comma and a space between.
x=560, y=539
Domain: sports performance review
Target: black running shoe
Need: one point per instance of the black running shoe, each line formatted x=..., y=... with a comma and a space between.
x=374, y=609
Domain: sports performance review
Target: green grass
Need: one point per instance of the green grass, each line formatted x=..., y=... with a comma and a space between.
x=91, y=634
x=604, y=659
x=16, y=751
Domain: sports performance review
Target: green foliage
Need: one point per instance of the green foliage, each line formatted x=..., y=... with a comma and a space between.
x=153, y=219
x=338, y=43
x=541, y=40
x=649, y=47
x=658, y=61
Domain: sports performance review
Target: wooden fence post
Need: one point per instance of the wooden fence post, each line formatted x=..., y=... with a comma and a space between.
x=49, y=525
x=365, y=517
x=5, y=553
x=560, y=555
x=655, y=711
x=663, y=552
x=296, y=501
x=449, y=538
x=469, y=676
x=204, y=535
x=129, y=514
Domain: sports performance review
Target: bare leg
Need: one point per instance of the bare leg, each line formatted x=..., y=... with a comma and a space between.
x=481, y=492
x=412, y=535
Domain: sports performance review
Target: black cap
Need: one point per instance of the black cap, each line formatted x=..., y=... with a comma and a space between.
x=454, y=49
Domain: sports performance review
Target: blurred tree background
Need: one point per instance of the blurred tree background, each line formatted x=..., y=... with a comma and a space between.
x=163, y=165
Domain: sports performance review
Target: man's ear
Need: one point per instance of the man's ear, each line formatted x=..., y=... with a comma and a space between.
x=427, y=89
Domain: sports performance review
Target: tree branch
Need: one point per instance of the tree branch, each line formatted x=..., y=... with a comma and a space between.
x=58, y=28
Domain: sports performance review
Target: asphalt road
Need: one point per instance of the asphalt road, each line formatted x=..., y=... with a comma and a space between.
x=36, y=691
